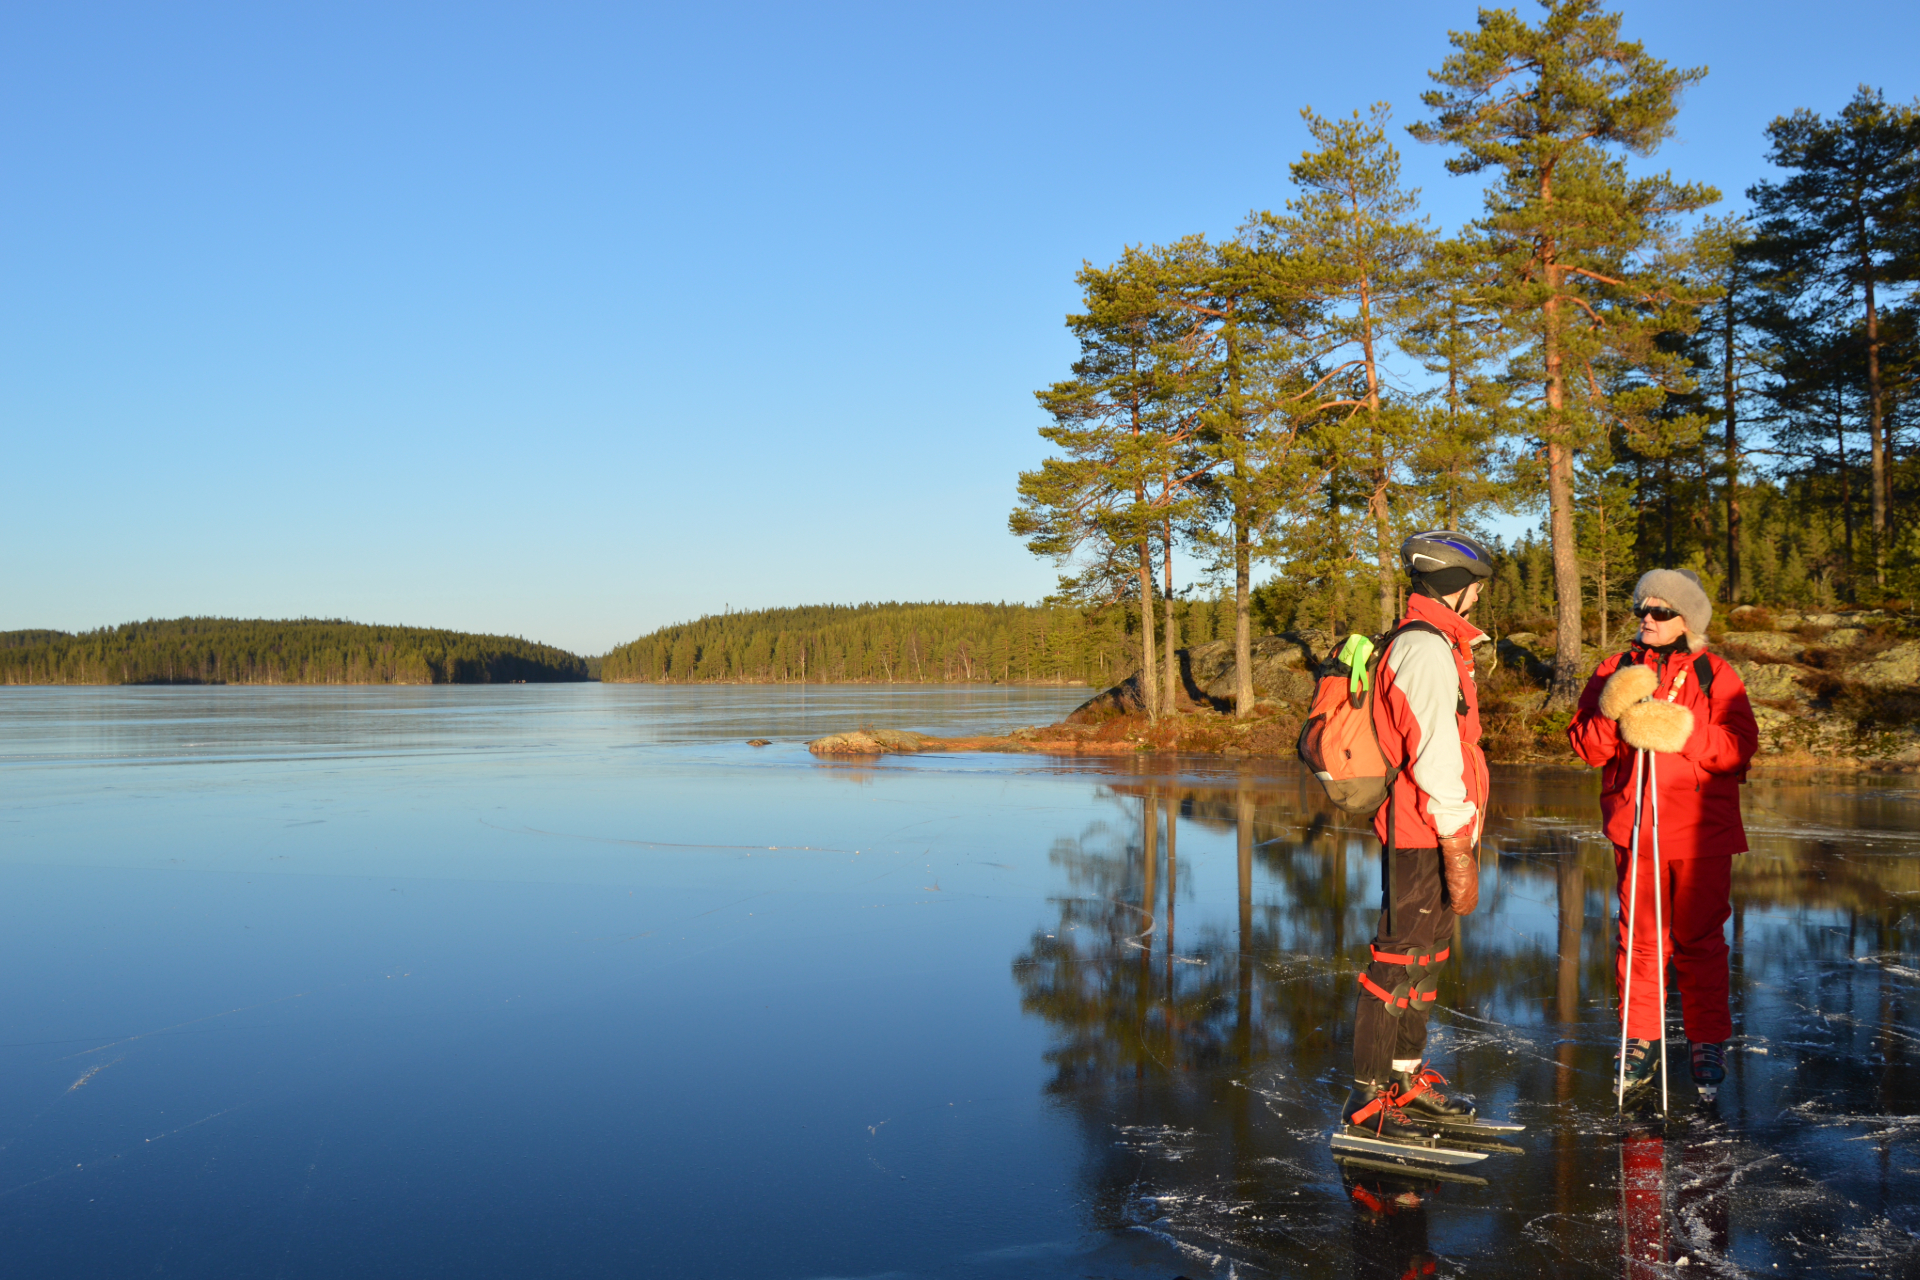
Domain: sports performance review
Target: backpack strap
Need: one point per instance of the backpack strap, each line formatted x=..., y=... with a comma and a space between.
x=1702, y=668
x=1380, y=650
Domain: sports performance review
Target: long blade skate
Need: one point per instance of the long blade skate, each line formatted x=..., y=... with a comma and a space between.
x=1410, y=1155
x=1463, y=1136
x=1485, y=1128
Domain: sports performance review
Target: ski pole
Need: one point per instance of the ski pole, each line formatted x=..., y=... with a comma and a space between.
x=1659, y=933
x=1633, y=890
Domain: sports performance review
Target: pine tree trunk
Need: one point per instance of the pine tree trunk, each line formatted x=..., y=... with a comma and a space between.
x=1148, y=694
x=1242, y=548
x=1602, y=601
x=1242, y=618
x=1170, y=685
x=1383, y=548
x=1729, y=390
x=1876, y=423
x=1846, y=483
x=1566, y=565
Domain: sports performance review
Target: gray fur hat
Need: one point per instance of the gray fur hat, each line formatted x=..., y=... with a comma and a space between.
x=1679, y=589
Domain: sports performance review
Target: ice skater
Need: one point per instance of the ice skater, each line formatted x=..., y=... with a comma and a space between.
x=1426, y=714
x=1669, y=711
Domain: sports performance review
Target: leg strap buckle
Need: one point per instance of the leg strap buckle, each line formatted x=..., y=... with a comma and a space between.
x=1424, y=957
x=1411, y=994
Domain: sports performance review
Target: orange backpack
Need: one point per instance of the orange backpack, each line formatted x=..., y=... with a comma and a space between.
x=1338, y=741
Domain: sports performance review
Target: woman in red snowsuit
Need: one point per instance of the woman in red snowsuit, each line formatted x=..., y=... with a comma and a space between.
x=1688, y=710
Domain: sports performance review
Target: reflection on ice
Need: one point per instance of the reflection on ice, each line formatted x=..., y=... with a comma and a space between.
x=1207, y=1090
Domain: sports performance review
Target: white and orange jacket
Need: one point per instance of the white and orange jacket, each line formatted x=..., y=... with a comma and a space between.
x=1426, y=712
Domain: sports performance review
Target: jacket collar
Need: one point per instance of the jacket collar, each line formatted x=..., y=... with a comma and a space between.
x=1456, y=628
x=1665, y=653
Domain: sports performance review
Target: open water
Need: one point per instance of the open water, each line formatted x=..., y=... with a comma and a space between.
x=569, y=981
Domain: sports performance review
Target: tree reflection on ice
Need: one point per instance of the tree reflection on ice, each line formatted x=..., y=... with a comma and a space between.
x=1206, y=1068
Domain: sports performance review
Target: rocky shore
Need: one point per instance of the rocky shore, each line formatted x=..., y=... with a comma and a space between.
x=1829, y=690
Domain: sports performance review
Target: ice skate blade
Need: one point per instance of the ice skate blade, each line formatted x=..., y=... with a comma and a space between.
x=1480, y=1140
x=1708, y=1092
x=1419, y=1172
x=1407, y=1154
x=1446, y=1127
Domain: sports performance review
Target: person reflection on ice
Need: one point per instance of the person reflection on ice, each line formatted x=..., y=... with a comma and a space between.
x=1390, y=1227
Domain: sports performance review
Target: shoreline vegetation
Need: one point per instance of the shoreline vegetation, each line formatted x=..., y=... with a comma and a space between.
x=1837, y=692
x=260, y=651
x=1830, y=690
x=1665, y=386
x=897, y=643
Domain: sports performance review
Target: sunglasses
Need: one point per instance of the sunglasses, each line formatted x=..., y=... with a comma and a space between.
x=1656, y=613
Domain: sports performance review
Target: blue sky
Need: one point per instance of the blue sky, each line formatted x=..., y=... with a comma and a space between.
x=571, y=320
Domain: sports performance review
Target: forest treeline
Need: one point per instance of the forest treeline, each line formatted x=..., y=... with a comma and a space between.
x=898, y=644
x=939, y=643
x=1665, y=387
x=302, y=651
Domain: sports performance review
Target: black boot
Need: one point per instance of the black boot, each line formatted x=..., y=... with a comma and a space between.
x=1419, y=1096
x=1373, y=1110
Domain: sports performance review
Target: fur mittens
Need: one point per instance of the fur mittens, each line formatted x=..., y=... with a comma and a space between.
x=1656, y=726
x=1628, y=685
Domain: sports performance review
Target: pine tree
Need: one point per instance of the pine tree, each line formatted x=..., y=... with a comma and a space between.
x=1578, y=248
x=1603, y=525
x=1097, y=500
x=1231, y=302
x=1354, y=251
x=1455, y=464
x=1723, y=257
x=1845, y=224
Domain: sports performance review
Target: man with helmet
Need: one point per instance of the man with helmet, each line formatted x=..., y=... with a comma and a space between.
x=1426, y=713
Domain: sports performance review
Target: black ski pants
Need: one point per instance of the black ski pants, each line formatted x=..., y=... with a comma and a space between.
x=1422, y=919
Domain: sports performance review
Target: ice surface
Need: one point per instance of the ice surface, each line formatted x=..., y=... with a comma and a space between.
x=570, y=981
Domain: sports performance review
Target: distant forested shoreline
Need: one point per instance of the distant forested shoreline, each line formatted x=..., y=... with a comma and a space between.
x=260, y=651
x=894, y=643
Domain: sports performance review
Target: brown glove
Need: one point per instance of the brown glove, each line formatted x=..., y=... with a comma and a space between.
x=1460, y=868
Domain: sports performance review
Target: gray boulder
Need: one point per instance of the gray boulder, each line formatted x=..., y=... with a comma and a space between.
x=1897, y=668
x=1525, y=652
x=1769, y=681
x=1774, y=644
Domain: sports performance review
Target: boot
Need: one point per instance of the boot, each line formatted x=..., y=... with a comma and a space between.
x=1643, y=1064
x=1420, y=1098
x=1374, y=1110
x=1709, y=1063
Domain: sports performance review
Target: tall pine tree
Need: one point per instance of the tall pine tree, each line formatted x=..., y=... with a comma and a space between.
x=1578, y=247
x=1845, y=224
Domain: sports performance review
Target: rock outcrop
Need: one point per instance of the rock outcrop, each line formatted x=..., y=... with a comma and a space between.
x=1897, y=668
x=1828, y=691
x=1283, y=667
x=871, y=742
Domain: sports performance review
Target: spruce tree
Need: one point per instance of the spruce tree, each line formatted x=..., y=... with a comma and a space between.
x=1582, y=279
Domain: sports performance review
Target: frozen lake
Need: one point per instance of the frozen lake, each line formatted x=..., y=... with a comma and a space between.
x=569, y=981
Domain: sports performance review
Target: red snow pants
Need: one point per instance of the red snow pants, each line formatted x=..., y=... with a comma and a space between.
x=1695, y=903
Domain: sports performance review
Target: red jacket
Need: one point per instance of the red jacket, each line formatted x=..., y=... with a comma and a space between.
x=1700, y=785
x=1426, y=712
